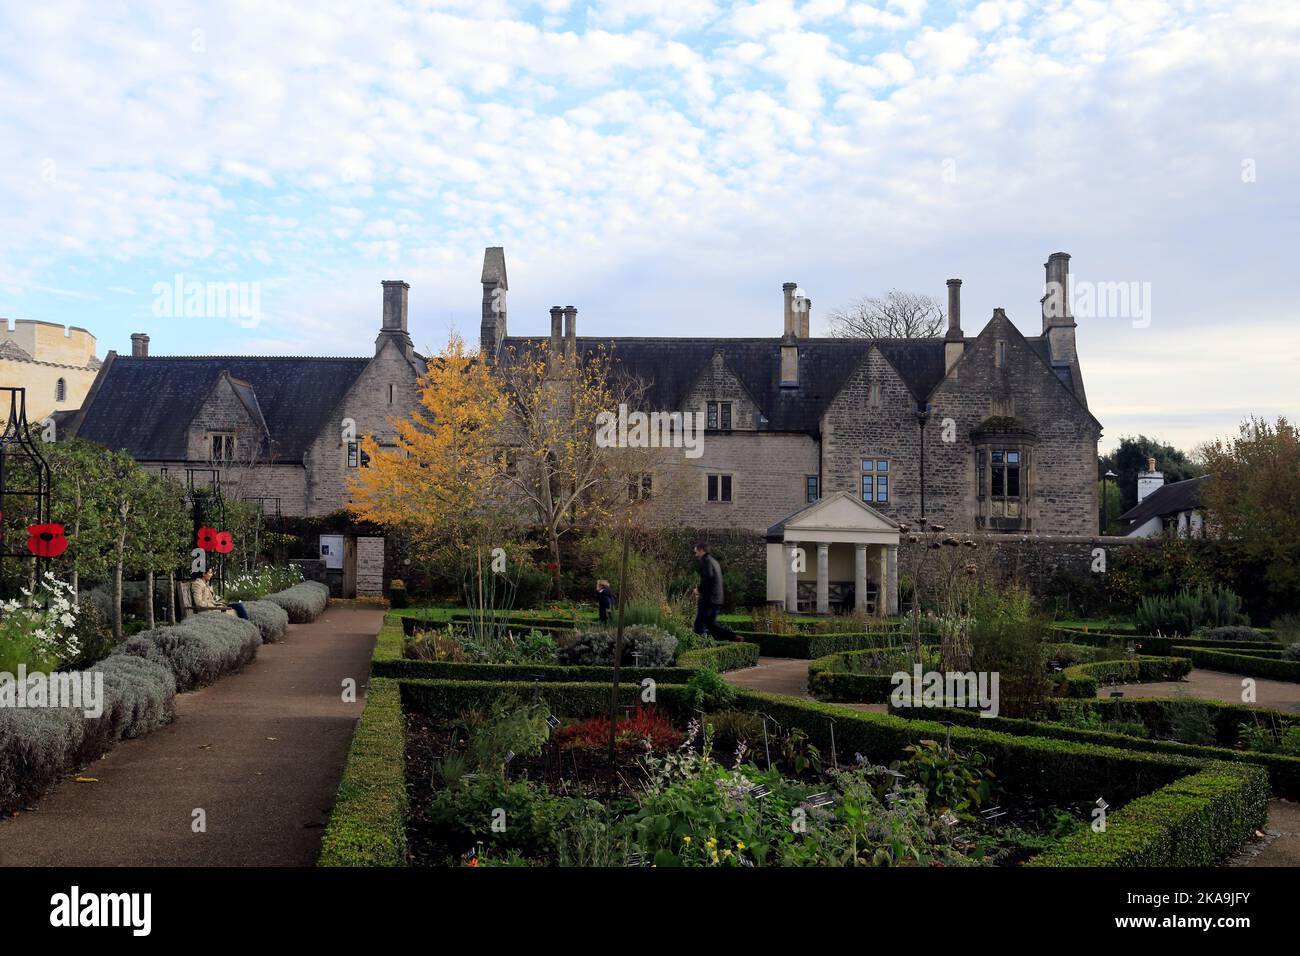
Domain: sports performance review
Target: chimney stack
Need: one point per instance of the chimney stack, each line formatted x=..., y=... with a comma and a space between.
x=139, y=345
x=492, y=331
x=1058, y=322
x=791, y=328
x=394, y=319
x=557, y=330
x=1149, y=480
x=570, y=330
x=954, y=343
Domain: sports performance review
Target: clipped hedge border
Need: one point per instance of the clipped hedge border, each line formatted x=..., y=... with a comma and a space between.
x=367, y=824
x=1283, y=770
x=828, y=681
x=1196, y=821
x=1158, y=646
x=721, y=658
x=1083, y=680
x=446, y=698
x=1245, y=664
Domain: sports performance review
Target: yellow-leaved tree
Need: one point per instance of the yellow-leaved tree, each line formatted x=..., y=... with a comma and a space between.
x=440, y=484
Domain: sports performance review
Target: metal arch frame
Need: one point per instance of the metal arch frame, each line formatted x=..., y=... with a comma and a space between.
x=17, y=435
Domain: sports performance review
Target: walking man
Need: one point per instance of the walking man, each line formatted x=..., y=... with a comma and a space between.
x=710, y=595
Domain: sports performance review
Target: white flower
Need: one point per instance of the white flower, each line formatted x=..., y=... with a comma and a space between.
x=67, y=620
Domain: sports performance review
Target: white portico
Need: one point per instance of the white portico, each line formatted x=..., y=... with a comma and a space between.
x=837, y=554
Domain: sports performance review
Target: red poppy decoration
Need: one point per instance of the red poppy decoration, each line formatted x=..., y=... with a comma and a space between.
x=222, y=543
x=207, y=538
x=46, y=540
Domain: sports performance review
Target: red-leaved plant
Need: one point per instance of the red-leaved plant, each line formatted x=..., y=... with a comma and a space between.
x=645, y=723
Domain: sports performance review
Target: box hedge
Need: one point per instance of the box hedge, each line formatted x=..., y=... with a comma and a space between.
x=1083, y=680
x=1245, y=664
x=1196, y=821
x=367, y=824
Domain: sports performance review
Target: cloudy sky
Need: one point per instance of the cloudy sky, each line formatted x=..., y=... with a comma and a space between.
x=665, y=165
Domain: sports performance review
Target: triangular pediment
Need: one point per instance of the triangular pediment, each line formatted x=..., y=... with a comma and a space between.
x=838, y=512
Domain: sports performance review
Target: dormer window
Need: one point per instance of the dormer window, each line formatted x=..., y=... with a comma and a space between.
x=221, y=446
x=719, y=416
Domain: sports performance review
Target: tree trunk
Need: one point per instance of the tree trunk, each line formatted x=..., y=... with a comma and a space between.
x=171, y=597
x=148, y=597
x=618, y=656
x=555, y=560
x=117, y=575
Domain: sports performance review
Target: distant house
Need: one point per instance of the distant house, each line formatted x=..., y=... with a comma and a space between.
x=283, y=432
x=1173, y=509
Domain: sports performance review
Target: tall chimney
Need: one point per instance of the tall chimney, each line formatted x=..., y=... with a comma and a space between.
x=1058, y=322
x=557, y=329
x=394, y=319
x=791, y=327
x=803, y=308
x=954, y=343
x=492, y=331
x=570, y=330
x=139, y=345
x=1149, y=480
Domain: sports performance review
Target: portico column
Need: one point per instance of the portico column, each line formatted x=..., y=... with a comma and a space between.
x=823, y=578
x=791, y=577
x=882, y=600
x=891, y=589
x=859, y=577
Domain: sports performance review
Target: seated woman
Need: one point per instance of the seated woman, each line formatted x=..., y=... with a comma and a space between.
x=204, y=600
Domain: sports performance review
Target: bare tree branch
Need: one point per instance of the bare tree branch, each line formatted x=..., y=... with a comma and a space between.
x=898, y=315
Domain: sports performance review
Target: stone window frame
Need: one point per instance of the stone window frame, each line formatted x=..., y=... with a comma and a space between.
x=229, y=446
x=880, y=471
x=715, y=484
x=812, y=489
x=1004, y=512
x=61, y=390
x=719, y=415
x=354, y=454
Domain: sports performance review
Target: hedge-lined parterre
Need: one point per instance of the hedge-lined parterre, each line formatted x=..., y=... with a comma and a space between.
x=1083, y=680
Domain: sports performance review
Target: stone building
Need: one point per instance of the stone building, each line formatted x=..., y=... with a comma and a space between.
x=1174, y=509
x=283, y=432
x=988, y=432
x=56, y=365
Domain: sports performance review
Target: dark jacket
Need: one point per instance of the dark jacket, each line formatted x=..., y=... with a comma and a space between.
x=710, y=580
x=605, y=597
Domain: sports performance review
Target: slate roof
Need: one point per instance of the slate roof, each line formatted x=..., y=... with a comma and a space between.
x=145, y=405
x=1168, y=499
x=670, y=367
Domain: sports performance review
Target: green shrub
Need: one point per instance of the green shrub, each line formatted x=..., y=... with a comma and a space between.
x=1187, y=611
x=199, y=650
x=706, y=690
x=1292, y=653
x=1015, y=648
